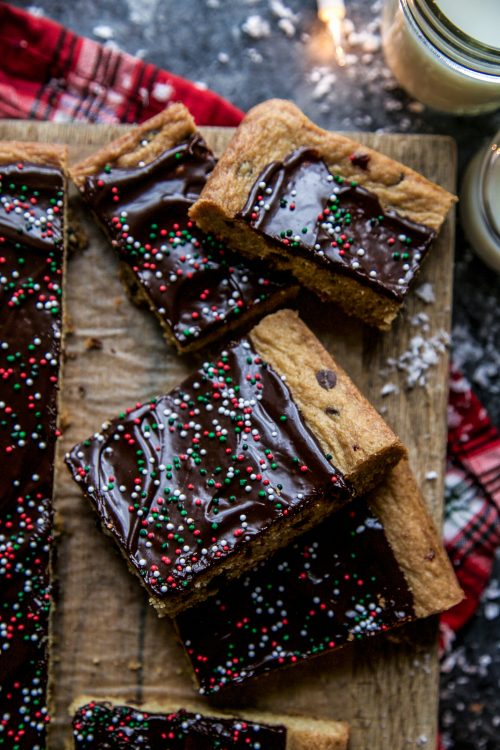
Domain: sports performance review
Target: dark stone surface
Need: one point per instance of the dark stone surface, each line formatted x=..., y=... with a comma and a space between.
x=470, y=678
x=204, y=40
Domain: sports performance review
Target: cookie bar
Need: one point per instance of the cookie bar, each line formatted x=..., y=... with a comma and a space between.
x=140, y=188
x=255, y=447
x=106, y=724
x=32, y=256
x=376, y=563
x=351, y=224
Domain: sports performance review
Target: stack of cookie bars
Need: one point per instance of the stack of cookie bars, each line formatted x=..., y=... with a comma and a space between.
x=262, y=495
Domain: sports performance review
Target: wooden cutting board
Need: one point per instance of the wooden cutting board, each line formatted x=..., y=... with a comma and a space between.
x=107, y=640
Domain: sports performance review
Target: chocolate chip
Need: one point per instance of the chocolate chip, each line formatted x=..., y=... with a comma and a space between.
x=331, y=410
x=360, y=160
x=92, y=342
x=430, y=555
x=327, y=379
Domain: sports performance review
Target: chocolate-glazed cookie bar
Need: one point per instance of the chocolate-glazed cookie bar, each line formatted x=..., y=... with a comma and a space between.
x=140, y=188
x=350, y=223
x=376, y=563
x=105, y=725
x=32, y=253
x=258, y=445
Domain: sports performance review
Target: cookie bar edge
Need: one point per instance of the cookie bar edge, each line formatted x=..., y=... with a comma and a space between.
x=344, y=422
x=415, y=542
x=169, y=127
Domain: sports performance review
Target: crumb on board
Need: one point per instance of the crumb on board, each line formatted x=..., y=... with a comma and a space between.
x=93, y=343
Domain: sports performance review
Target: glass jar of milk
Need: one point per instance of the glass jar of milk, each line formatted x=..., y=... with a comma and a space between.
x=446, y=53
x=480, y=203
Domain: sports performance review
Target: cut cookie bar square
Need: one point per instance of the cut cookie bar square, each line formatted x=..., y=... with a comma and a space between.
x=375, y=564
x=352, y=225
x=140, y=188
x=259, y=444
x=107, y=724
x=32, y=259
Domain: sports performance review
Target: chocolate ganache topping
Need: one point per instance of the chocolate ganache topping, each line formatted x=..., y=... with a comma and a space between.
x=192, y=477
x=340, y=582
x=337, y=223
x=31, y=259
x=101, y=726
x=192, y=281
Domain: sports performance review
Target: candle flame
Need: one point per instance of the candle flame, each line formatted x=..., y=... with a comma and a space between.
x=332, y=13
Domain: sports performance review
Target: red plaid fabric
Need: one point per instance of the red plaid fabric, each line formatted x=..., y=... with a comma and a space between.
x=472, y=509
x=49, y=73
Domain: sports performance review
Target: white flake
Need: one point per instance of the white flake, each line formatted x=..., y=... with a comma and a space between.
x=425, y=292
x=389, y=388
x=102, y=31
x=286, y=27
x=256, y=27
x=162, y=91
x=421, y=355
x=254, y=55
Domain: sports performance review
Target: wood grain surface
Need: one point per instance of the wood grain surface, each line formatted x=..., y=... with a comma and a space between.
x=107, y=640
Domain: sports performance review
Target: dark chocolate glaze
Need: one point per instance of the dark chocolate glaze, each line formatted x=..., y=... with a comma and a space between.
x=193, y=282
x=337, y=224
x=194, y=476
x=338, y=583
x=101, y=726
x=31, y=257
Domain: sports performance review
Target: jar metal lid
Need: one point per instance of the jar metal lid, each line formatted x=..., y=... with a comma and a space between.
x=479, y=60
